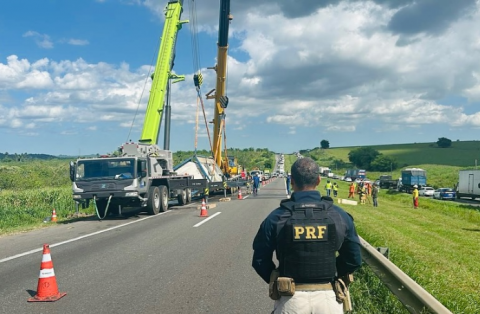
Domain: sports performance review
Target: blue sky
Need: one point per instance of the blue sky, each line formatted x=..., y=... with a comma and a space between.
x=352, y=72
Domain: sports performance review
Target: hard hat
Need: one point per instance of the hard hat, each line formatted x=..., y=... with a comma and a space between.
x=415, y=186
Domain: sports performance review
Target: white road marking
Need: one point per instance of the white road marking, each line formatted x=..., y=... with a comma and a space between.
x=203, y=221
x=78, y=238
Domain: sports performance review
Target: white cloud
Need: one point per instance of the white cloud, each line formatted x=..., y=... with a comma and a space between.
x=78, y=42
x=335, y=68
x=42, y=40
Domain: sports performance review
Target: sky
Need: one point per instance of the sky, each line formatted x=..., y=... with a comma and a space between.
x=74, y=75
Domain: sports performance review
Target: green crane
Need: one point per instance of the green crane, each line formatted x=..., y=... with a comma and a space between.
x=163, y=73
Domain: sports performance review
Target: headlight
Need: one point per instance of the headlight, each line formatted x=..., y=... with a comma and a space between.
x=131, y=194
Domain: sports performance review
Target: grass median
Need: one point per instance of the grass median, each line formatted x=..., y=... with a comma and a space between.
x=436, y=245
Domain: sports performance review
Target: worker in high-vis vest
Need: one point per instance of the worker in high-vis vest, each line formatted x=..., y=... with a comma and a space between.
x=328, y=187
x=335, y=189
x=316, y=245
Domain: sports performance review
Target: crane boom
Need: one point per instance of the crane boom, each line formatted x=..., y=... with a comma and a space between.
x=163, y=73
x=221, y=100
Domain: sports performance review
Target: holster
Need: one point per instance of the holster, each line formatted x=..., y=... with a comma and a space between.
x=286, y=286
x=341, y=291
x=272, y=286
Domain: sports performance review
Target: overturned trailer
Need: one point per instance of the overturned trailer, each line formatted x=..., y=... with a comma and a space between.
x=203, y=167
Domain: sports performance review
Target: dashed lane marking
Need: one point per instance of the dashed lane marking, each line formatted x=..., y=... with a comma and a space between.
x=207, y=219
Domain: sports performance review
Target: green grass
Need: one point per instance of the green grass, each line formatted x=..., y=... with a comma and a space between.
x=460, y=154
x=25, y=210
x=436, y=245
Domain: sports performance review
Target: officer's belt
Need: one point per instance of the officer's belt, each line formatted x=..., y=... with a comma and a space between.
x=313, y=286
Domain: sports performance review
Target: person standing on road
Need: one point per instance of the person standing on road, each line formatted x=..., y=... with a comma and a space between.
x=328, y=187
x=287, y=183
x=315, y=243
x=335, y=189
x=375, y=195
x=415, y=196
x=256, y=183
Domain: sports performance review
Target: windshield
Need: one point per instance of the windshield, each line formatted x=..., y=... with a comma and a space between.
x=105, y=169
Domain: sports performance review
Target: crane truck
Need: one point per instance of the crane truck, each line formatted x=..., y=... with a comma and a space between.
x=217, y=169
x=142, y=176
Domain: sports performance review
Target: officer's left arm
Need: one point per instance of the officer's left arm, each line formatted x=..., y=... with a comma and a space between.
x=349, y=258
x=263, y=247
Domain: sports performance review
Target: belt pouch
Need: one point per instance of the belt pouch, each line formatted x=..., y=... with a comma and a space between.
x=286, y=286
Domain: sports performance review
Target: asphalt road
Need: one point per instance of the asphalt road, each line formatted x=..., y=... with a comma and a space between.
x=166, y=263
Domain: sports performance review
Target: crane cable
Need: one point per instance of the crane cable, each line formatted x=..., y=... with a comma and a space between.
x=197, y=70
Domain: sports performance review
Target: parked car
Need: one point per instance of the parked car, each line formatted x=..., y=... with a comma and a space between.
x=444, y=194
x=426, y=191
x=348, y=179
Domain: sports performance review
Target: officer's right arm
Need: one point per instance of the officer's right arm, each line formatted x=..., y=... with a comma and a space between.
x=263, y=247
x=349, y=258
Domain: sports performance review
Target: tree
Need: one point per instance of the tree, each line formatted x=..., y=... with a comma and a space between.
x=384, y=163
x=325, y=144
x=362, y=157
x=444, y=142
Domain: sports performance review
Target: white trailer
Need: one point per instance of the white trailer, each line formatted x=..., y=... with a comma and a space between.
x=468, y=184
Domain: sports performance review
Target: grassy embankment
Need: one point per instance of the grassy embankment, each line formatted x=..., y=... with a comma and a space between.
x=435, y=245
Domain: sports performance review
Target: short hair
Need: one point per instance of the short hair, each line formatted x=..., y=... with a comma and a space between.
x=305, y=172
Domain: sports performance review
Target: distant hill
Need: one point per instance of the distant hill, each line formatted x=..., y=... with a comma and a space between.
x=460, y=154
x=25, y=156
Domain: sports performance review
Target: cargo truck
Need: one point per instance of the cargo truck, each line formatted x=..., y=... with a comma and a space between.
x=468, y=184
x=410, y=178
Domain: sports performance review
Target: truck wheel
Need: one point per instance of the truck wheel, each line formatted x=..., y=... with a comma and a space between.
x=164, y=196
x=153, y=203
x=189, y=195
x=182, y=197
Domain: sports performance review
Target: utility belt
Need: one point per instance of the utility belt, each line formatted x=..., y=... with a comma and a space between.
x=285, y=286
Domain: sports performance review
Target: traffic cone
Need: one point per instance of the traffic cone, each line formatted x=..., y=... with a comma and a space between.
x=240, y=194
x=47, y=289
x=203, y=211
x=54, y=216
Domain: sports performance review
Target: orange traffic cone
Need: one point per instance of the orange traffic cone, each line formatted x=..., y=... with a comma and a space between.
x=240, y=194
x=203, y=211
x=54, y=216
x=47, y=289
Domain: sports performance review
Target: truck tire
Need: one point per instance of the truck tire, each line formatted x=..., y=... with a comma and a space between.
x=182, y=197
x=189, y=195
x=164, y=196
x=153, y=202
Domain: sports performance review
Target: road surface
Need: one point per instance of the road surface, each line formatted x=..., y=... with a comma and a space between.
x=174, y=262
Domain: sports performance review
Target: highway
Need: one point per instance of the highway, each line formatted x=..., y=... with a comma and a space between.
x=174, y=262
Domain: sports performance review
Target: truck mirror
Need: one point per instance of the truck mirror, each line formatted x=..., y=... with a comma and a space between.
x=72, y=171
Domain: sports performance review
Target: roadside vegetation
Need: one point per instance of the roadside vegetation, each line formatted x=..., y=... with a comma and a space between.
x=436, y=245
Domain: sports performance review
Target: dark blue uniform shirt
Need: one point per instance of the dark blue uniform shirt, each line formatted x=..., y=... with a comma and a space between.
x=265, y=243
x=256, y=181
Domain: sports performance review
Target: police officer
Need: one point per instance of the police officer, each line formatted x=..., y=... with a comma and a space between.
x=306, y=232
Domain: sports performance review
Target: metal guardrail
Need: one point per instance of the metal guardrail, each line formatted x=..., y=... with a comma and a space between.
x=409, y=293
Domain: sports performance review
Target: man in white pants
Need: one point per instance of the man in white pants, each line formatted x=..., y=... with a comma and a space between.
x=306, y=232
